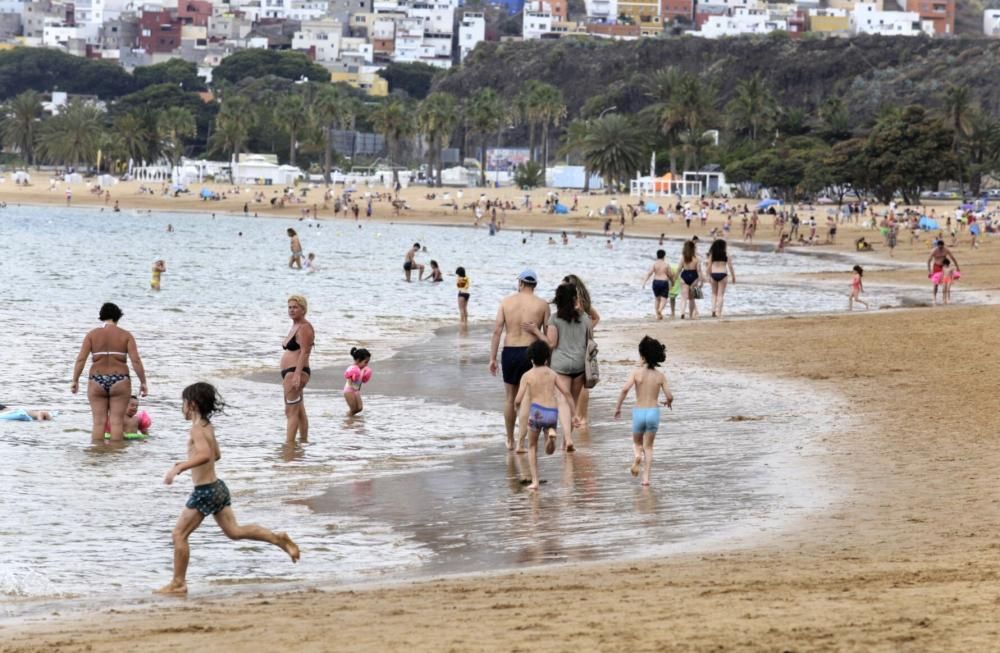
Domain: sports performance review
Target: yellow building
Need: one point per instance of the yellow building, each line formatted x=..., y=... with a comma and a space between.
x=644, y=13
x=370, y=82
x=829, y=24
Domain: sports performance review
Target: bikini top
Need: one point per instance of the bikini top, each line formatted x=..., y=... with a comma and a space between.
x=292, y=345
x=108, y=353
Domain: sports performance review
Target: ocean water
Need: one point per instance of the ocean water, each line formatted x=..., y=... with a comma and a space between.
x=81, y=520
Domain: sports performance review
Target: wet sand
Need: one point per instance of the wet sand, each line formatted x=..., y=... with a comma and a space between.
x=905, y=560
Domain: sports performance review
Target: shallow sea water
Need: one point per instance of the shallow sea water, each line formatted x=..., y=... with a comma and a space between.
x=81, y=521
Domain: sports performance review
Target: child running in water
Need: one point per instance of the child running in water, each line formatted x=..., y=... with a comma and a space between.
x=463, y=283
x=856, y=289
x=647, y=381
x=538, y=385
x=200, y=402
x=356, y=375
x=948, y=276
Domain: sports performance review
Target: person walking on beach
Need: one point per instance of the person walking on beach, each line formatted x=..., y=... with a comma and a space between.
x=647, y=381
x=690, y=267
x=199, y=402
x=935, y=264
x=295, y=372
x=720, y=274
x=583, y=298
x=567, y=334
x=109, y=387
x=662, y=277
x=518, y=311
x=948, y=276
x=539, y=386
x=355, y=376
x=409, y=262
x=856, y=289
x=295, y=261
x=463, y=284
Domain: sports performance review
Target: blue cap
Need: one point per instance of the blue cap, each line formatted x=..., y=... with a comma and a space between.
x=528, y=275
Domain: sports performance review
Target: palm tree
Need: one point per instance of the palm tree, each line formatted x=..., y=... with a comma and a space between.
x=292, y=115
x=22, y=116
x=232, y=126
x=436, y=119
x=132, y=136
x=74, y=136
x=551, y=111
x=333, y=108
x=526, y=110
x=485, y=114
x=981, y=148
x=835, y=120
x=958, y=108
x=574, y=142
x=175, y=124
x=394, y=120
x=614, y=149
x=753, y=109
x=681, y=102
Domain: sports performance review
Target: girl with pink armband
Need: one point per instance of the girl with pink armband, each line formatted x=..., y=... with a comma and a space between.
x=356, y=375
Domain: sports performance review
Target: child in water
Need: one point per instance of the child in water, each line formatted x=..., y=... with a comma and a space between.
x=856, y=289
x=948, y=276
x=200, y=402
x=159, y=267
x=648, y=382
x=435, y=276
x=538, y=386
x=356, y=375
x=462, y=283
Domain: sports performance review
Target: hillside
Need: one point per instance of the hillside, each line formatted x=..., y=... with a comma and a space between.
x=866, y=72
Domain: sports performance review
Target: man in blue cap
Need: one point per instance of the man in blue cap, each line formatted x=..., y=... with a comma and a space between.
x=523, y=307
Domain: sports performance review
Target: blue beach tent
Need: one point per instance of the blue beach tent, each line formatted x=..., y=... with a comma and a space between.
x=927, y=224
x=768, y=203
x=562, y=208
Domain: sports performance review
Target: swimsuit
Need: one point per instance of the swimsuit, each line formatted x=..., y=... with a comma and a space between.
x=719, y=276
x=407, y=265
x=661, y=288
x=542, y=417
x=645, y=420
x=463, y=287
x=514, y=363
x=288, y=370
x=293, y=344
x=209, y=499
x=155, y=283
x=689, y=276
x=108, y=380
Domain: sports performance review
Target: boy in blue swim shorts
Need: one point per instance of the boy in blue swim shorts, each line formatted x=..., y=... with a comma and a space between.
x=539, y=387
x=648, y=381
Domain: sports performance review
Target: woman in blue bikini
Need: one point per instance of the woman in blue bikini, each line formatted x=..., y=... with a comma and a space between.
x=721, y=273
x=109, y=387
x=690, y=267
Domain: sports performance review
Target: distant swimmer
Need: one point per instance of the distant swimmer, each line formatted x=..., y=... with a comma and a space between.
x=310, y=265
x=295, y=372
x=435, y=273
x=159, y=267
x=355, y=376
x=463, y=284
x=24, y=414
x=663, y=276
x=200, y=402
x=410, y=262
x=648, y=382
x=295, y=260
x=516, y=310
x=538, y=386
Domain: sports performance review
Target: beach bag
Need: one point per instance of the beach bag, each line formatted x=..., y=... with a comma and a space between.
x=591, y=370
x=696, y=292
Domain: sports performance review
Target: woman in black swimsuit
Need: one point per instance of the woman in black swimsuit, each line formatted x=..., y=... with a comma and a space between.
x=295, y=370
x=721, y=273
x=109, y=387
x=690, y=269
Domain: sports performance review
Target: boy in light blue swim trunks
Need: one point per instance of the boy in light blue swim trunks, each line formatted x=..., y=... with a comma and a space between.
x=538, y=386
x=648, y=382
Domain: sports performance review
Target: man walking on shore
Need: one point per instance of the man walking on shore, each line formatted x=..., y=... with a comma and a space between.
x=663, y=277
x=523, y=307
x=935, y=264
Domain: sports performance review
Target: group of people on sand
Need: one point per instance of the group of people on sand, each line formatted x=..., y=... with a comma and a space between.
x=687, y=278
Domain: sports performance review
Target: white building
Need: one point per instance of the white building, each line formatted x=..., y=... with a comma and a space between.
x=57, y=34
x=471, y=32
x=537, y=20
x=602, y=11
x=991, y=22
x=866, y=18
x=324, y=35
x=742, y=21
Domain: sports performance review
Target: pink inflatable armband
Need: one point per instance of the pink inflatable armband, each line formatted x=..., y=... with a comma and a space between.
x=366, y=375
x=145, y=421
x=957, y=275
x=352, y=373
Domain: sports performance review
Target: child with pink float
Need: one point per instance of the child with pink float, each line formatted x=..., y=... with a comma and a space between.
x=356, y=375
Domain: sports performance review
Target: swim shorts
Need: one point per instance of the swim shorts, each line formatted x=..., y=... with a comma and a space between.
x=407, y=266
x=542, y=417
x=209, y=499
x=645, y=420
x=514, y=363
x=661, y=288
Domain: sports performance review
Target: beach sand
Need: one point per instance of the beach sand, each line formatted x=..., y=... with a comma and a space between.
x=906, y=560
